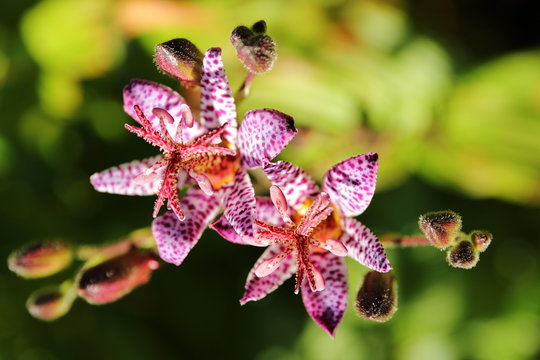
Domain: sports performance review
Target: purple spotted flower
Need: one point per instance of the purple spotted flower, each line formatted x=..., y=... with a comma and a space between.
x=212, y=153
x=309, y=231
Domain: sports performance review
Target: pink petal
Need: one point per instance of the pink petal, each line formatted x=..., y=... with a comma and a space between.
x=351, y=183
x=256, y=288
x=263, y=134
x=217, y=102
x=265, y=212
x=149, y=95
x=296, y=184
x=226, y=231
x=239, y=204
x=176, y=238
x=119, y=179
x=327, y=307
x=363, y=246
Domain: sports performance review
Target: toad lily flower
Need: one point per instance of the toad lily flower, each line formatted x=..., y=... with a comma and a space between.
x=309, y=232
x=213, y=153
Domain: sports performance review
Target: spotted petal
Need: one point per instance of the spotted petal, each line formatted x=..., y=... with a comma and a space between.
x=176, y=238
x=263, y=134
x=119, y=179
x=351, y=183
x=217, y=102
x=257, y=288
x=327, y=307
x=296, y=184
x=149, y=95
x=226, y=231
x=239, y=204
x=363, y=246
x=265, y=212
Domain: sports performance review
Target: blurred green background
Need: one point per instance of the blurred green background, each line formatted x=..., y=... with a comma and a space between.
x=447, y=92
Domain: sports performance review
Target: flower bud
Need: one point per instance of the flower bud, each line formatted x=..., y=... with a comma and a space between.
x=181, y=59
x=481, y=239
x=50, y=303
x=377, y=298
x=255, y=49
x=441, y=228
x=463, y=255
x=40, y=259
x=112, y=279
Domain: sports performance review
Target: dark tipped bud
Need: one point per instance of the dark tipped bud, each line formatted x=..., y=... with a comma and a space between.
x=255, y=49
x=259, y=27
x=181, y=59
x=481, y=239
x=463, y=255
x=112, y=279
x=377, y=298
x=50, y=303
x=40, y=259
x=441, y=228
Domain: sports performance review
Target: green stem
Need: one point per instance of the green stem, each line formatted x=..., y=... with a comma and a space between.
x=244, y=89
x=399, y=241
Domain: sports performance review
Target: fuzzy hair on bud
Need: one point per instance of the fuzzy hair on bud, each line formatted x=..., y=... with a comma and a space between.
x=441, y=227
x=116, y=277
x=377, y=298
x=259, y=27
x=255, y=49
x=481, y=239
x=180, y=59
x=463, y=255
x=51, y=303
x=40, y=259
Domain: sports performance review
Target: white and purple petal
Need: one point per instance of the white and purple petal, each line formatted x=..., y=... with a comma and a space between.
x=263, y=134
x=119, y=179
x=265, y=212
x=296, y=184
x=351, y=183
x=176, y=238
x=239, y=204
x=149, y=95
x=257, y=288
x=226, y=231
x=327, y=307
x=363, y=246
x=217, y=102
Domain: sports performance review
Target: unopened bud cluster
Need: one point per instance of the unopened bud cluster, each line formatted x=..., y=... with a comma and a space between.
x=255, y=49
x=109, y=272
x=443, y=230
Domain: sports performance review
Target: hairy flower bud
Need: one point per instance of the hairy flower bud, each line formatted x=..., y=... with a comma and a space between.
x=255, y=49
x=481, y=239
x=441, y=228
x=181, y=59
x=463, y=255
x=377, y=298
x=112, y=279
x=40, y=259
x=50, y=303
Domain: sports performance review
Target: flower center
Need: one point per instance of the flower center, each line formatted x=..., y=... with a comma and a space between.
x=203, y=159
x=313, y=230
